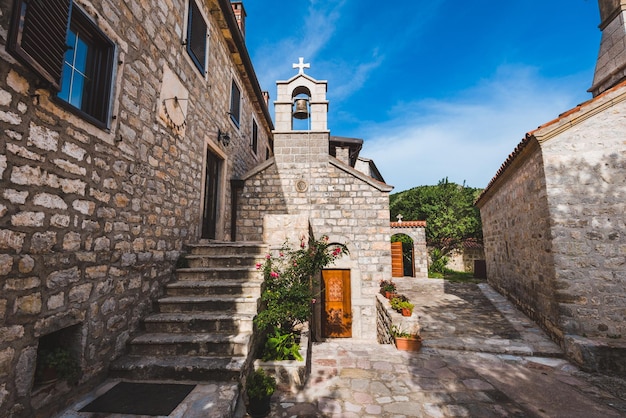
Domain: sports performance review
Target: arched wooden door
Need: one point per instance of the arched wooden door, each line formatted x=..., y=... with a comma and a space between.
x=336, y=304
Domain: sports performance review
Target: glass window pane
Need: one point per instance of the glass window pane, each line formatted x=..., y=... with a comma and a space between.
x=76, y=98
x=80, y=58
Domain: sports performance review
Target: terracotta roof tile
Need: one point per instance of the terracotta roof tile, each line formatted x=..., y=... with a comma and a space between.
x=409, y=224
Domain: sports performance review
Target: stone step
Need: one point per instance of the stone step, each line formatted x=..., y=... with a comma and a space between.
x=224, y=304
x=193, y=344
x=222, y=260
x=222, y=273
x=178, y=368
x=228, y=248
x=233, y=287
x=199, y=322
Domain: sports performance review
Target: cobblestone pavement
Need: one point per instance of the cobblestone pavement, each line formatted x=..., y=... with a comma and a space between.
x=480, y=358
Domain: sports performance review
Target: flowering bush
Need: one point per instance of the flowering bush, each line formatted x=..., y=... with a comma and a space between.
x=288, y=285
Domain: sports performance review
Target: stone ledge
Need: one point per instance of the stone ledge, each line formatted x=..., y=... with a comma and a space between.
x=291, y=374
x=386, y=317
x=597, y=355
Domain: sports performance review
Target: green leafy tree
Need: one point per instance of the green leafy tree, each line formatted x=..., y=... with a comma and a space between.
x=447, y=208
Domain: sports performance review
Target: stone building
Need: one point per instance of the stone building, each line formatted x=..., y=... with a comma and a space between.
x=553, y=216
x=305, y=190
x=115, y=151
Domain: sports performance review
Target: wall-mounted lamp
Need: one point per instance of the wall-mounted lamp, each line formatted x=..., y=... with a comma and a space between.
x=223, y=137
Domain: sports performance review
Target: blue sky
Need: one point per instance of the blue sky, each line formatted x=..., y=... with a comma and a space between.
x=436, y=88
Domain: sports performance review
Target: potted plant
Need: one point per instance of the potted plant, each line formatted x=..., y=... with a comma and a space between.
x=387, y=288
x=260, y=387
x=402, y=305
x=56, y=364
x=406, y=340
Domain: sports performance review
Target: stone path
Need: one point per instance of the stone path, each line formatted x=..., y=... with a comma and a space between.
x=481, y=358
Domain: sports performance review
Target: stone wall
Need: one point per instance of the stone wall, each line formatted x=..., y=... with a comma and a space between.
x=553, y=223
x=93, y=220
x=585, y=169
x=517, y=240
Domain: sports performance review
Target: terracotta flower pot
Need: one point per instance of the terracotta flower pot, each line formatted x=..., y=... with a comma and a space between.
x=408, y=343
x=406, y=312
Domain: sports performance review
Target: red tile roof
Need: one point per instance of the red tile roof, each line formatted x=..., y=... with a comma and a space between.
x=409, y=224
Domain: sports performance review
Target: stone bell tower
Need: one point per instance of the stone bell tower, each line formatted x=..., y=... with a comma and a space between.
x=294, y=94
x=611, y=64
x=301, y=137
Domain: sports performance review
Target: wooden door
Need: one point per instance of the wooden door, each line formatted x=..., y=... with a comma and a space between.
x=337, y=306
x=211, y=183
x=397, y=263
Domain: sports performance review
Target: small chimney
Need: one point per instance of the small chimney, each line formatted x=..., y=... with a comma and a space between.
x=240, y=15
x=611, y=64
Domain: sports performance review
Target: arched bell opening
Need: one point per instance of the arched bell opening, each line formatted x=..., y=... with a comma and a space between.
x=301, y=109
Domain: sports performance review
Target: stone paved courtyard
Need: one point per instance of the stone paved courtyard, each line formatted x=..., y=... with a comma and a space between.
x=480, y=358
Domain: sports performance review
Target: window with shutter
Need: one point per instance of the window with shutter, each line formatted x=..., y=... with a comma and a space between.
x=235, y=103
x=255, y=136
x=196, y=37
x=38, y=36
x=58, y=41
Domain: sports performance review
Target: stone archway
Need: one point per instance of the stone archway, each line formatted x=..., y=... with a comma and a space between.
x=417, y=232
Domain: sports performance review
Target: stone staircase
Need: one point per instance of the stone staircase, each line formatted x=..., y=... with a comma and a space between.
x=202, y=328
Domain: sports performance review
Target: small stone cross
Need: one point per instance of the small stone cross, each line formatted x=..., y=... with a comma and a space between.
x=399, y=218
x=301, y=65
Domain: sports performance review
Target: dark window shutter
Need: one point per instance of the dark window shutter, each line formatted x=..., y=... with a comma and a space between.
x=197, y=34
x=38, y=36
x=235, y=101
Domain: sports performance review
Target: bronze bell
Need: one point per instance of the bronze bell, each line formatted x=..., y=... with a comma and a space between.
x=302, y=110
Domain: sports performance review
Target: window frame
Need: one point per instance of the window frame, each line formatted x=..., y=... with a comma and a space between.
x=102, y=62
x=53, y=15
x=201, y=63
x=235, y=104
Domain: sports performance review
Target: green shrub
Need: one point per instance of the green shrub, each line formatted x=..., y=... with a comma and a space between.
x=281, y=346
x=260, y=385
x=438, y=261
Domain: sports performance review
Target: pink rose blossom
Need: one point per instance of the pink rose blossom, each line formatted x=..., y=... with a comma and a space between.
x=274, y=274
x=258, y=266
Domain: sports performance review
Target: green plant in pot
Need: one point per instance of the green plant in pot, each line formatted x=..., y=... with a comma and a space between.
x=387, y=287
x=57, y=363
x=402, y=305
x=407, y=339
x=260, y=387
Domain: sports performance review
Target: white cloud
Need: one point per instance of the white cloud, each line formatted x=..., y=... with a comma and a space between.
x=467, y=137
x=309, y=36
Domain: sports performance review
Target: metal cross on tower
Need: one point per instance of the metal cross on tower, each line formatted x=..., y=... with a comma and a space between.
x=301, y=65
